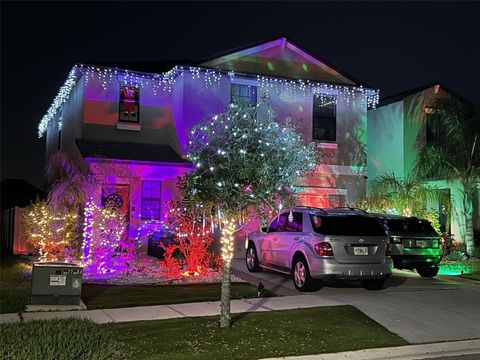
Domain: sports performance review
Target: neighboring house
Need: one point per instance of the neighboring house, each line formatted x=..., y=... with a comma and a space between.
x=393, y=128
x=141, y=120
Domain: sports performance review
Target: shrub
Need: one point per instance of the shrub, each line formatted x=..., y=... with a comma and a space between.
x=455, y=255
x=60, y=339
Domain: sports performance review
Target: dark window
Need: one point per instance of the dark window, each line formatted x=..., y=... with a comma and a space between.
x=278, y=224
x=411, y=226
x=432, y=131
x=245, y=94
x=349, y=225
x=129, y=104
x=324, y=118
x=151, y=199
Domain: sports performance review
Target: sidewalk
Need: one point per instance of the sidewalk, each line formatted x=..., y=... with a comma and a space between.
x=160, y=312
x=451, y=350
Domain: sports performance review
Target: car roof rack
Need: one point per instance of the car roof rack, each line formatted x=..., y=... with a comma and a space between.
x=351, y=208
x=311, y=208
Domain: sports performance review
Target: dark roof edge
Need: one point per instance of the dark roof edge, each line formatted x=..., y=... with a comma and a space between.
x=402, y=95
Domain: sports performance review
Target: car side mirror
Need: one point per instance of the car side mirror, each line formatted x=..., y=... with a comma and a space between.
x=264, y=229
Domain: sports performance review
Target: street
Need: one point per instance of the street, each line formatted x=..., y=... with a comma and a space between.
x=420, y=310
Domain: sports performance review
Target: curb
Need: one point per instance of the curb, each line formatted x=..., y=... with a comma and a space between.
x=408, y=352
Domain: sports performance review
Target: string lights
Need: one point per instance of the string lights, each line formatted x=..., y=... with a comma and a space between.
x=165, y=82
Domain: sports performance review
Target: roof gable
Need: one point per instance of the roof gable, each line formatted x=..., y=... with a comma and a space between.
x=280, y=58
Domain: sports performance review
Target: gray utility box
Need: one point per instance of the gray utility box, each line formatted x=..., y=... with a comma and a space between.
x=55, y=283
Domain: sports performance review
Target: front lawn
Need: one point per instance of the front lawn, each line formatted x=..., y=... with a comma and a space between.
x=15, y=286
x=115, y=296
x=65, y=339
x=255, y=335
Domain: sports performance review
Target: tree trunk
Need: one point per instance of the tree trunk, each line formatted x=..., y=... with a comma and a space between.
x=468, y=191
x=225, y=319
x=227, y=255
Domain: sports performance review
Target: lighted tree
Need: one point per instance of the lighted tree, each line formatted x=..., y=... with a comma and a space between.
x=51, y=233
x=453, y=154
x=244, y=161
x=106, y=248
x=192, y=235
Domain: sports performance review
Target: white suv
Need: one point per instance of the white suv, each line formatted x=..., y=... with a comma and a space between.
x=312, y=243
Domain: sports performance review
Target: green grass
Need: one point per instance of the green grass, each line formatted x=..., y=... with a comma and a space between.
x=115, y=296
x=15, y=286
x=255, y=335
x=473, y=276
x=66, y=339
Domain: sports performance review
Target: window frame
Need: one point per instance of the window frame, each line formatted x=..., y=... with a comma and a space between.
x=151, y=199
x=121, y=108
x=319, y=117
x=247, y=99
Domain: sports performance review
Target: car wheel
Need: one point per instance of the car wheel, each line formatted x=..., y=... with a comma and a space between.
x=428, y=271
x=373, y=284
x=301, y=275
x=251, y=259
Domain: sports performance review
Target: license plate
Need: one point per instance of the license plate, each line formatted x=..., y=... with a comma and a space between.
x=360, y=250
x=422, y=243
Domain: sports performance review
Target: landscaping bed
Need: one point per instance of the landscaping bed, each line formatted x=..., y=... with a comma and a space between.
x=252, y=336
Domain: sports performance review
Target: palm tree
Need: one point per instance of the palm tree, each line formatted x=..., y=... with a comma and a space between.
x=407, y=196
x=70, y=185
x=453, y=154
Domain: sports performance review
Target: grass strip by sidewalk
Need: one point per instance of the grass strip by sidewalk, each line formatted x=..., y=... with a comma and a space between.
x=115, y=296
x=60, y=339
x=255, y=335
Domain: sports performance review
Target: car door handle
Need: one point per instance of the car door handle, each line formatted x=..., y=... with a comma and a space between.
x=275, y=239
x=296, y=238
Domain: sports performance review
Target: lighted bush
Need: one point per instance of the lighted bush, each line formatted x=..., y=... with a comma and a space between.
x=51, y=233
x=191, y=226
x=65, y=339
x=106, y=247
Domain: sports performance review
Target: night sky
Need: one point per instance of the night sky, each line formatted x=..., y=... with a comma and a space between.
x=387, y=45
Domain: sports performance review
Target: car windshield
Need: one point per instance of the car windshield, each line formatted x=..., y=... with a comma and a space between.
x=411, y=226
x=349, y=225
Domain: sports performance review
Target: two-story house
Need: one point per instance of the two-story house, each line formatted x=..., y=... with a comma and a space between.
x=141, y=120
x=393, y=129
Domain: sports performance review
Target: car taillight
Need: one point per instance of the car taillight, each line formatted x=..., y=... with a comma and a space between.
x=324, y=249
x=388, y=250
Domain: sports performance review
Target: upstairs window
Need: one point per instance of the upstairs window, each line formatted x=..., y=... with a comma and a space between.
x=324, y=119
x=129, y=104
x=431, y=131
x=244, y=94
x=151, y=200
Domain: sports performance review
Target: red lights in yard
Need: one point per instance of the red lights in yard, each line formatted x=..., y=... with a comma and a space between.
x=324, y=249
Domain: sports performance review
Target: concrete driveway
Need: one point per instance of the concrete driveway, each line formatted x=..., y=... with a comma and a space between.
x=418, y=309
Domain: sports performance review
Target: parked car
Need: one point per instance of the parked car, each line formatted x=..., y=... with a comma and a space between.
x=319, y=244
x=414, y=244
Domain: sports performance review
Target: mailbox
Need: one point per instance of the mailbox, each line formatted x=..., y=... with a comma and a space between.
x=55, y=283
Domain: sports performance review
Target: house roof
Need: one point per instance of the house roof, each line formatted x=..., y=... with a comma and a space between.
x=121, y=150
x=402, y=95
x=284, y=43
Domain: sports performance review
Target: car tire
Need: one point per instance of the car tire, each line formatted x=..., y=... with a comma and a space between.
x=428, y=271
x=301, y=275
x=251, y=259
x=374, y=284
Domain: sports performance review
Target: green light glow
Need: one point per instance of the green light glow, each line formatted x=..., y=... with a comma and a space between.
x=305, y=67
x=455, y=268
x=270, y=66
